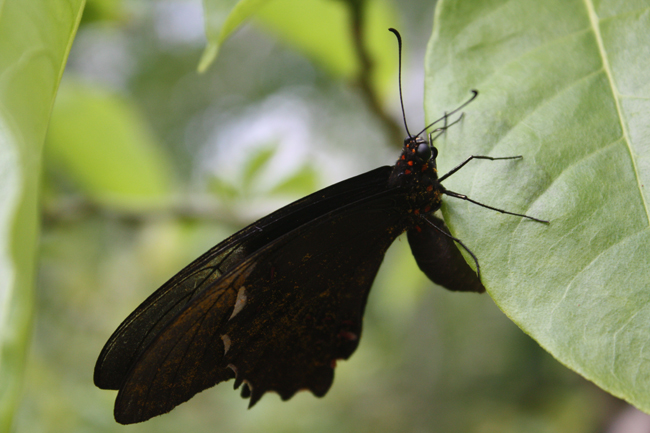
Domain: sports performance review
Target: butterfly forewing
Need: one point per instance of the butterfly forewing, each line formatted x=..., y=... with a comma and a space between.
x=299, y=309
x=138, y=330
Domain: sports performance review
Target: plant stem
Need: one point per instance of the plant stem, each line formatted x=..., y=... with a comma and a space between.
x=366, y=72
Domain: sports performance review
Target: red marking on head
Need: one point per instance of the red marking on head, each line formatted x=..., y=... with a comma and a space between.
x=416, y=211
x=427, y=209
x=419, y=229
x=430, y=188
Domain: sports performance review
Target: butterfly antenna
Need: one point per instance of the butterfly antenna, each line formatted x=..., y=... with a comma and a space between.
x=444, y=128
x=475, y=94
x=399, y=75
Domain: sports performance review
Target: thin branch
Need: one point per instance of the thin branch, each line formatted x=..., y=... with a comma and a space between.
x=365, y=78
x=203, y=209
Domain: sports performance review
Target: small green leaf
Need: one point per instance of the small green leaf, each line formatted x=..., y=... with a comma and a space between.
x=564, y=83
x=302, y=182
x=35, y=38
x=221, y=19
x=222, y=188
x=102, y=142
x=257, y=161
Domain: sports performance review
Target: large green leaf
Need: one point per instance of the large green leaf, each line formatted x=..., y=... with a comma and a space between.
x=35, y=38
x=564, y=83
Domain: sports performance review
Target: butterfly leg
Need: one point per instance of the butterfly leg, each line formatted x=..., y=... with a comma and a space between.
x=464, y=197
x=491, y=158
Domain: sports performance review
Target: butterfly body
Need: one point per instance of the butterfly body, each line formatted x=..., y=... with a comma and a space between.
x=415, y=173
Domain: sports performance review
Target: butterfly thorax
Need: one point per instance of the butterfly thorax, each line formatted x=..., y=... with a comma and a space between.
x=415, y=172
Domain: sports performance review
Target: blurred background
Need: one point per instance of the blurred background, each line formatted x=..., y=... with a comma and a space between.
x=148, y=164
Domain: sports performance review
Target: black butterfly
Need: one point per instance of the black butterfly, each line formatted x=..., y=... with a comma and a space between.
x=279, y=302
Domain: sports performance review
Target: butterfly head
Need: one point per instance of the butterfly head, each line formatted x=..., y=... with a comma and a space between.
x=418, y=153
x=416, y=164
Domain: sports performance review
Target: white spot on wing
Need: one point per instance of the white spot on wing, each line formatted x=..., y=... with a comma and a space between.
x=240, y=302
x=226, y=343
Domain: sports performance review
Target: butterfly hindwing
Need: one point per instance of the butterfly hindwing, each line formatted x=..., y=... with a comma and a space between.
x=279, y=320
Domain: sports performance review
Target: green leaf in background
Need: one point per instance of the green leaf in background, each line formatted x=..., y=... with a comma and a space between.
x=221, y=19
x=35, y=38
x=566, y=85
x=104, y=10
x=319, y=28
x=302, y=182
x=103, y=143
x=255, y=164
x=251, y=179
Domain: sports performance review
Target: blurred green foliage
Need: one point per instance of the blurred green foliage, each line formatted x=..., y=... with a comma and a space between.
x=102, y=144
x=33, y=51
x=264, y=125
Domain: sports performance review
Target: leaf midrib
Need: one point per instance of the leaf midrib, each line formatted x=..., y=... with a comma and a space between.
x=594, y=21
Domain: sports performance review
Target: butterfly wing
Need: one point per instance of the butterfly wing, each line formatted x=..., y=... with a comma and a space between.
x=144, y=324
x=439, y=258
x=278, y=321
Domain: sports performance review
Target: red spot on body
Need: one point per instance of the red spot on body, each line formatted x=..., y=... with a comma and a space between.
x=346, y=335
x=407, y=171
x=419, y=229
x=425, y=167
x=410, y=163
x=430, y=188
x=427, y=209
x=416, y=211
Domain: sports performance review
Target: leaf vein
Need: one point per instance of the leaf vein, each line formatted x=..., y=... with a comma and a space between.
x=559, y=175
x=593, y=18
x=582, y=270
